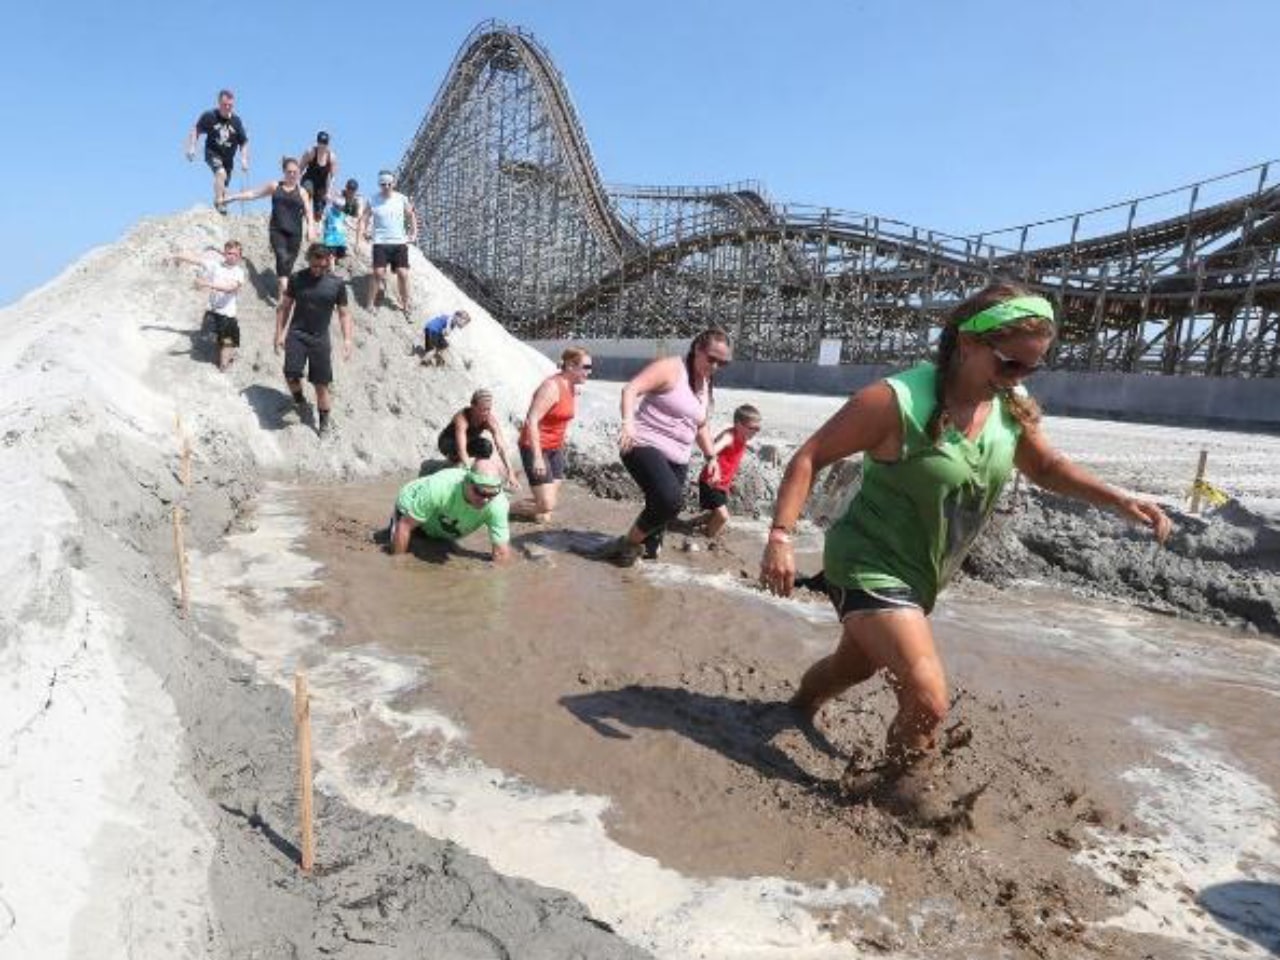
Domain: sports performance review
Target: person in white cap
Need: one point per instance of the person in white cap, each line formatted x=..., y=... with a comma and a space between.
x=390, y=222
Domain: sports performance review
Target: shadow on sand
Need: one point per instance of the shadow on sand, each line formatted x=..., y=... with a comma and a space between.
x=741, y=730
x=1248, y=908
x=269, y=404
x=201, y=346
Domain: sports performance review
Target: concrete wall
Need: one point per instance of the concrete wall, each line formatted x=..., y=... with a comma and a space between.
x=1193, y=401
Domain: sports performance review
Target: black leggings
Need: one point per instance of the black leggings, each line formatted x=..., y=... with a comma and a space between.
x=663, y=484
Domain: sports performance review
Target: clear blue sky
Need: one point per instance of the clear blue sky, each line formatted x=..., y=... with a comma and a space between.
x=954, y=115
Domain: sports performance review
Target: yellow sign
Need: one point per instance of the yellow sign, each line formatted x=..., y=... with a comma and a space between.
x=1211, y=493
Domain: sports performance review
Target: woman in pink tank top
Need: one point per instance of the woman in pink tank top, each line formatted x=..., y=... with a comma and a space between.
x=664, y=411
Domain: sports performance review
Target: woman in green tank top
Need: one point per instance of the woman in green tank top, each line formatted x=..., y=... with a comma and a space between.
x=939, y=442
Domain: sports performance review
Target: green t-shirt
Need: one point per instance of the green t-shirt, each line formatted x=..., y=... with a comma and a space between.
x=439, y=505
x=914, y=520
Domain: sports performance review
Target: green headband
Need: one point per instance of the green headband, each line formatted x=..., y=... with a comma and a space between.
x=484, y=479
x=1010, y=311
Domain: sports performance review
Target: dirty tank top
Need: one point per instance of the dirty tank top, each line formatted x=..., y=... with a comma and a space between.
x=914, y=520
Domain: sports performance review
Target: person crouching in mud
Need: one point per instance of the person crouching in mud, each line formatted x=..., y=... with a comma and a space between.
x=449, y=504
x=940, y=441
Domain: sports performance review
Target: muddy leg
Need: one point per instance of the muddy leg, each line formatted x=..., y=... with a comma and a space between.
x=833, y=674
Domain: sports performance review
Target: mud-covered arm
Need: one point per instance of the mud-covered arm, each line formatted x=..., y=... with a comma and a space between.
x=1055, y=471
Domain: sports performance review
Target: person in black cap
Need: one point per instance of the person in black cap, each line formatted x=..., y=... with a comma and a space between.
x=352, y=202
x=319, y=169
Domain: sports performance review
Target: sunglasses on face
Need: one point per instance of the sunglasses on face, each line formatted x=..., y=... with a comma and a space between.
x=485, y=493
x=717, y=361
x=1012, y=367
x=585, y=367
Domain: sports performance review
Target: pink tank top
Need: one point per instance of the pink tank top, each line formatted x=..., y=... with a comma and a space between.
x=669, y=421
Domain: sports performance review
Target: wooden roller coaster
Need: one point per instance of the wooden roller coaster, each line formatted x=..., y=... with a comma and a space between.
x=1185, y=281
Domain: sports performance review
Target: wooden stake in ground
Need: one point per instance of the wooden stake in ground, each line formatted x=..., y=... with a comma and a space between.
x=302, y=718
x=186, y=462
x=184, y=445
x=1196, y=485
x=180, y=554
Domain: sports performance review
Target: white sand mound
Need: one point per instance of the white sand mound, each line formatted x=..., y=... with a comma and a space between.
x=102, y=854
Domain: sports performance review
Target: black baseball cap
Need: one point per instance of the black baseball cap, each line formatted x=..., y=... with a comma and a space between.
x=322, y=137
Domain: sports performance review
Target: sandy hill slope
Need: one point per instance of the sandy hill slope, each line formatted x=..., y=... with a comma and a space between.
x=111, y=841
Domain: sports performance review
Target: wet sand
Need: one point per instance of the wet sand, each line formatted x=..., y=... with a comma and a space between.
x=661, y=688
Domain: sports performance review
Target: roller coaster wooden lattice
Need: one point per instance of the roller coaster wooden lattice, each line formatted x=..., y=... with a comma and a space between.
x=1184, y=281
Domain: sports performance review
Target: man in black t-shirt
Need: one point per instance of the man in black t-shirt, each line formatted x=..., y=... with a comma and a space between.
x=302, y=329
x=223, y=136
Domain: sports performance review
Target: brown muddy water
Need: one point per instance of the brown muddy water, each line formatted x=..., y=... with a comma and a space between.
x=1109, y=775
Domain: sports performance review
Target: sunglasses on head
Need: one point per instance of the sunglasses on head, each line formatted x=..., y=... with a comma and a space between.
x=1012, y=367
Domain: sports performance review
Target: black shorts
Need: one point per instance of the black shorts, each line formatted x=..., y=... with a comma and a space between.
x=319, y=194
x=285, y=246
x=338, y=252
x=393, y=255
x=224, y=160
x=437, y=341
x=711, y=498
x=554, y=461
x=303, y=351
x=226, y=329
x=479, y=447
x=851, y=600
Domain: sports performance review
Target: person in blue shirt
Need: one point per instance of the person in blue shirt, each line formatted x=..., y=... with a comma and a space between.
x=435, y=335
x=335, y=229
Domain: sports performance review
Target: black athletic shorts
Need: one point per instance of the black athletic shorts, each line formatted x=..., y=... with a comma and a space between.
x=552, y=459
x=312, y=354
x=437, y=341
x=319, y=194
x=851, y=600
x=711, y=498
x=338, y=252
x=285, y=246
x=226, y=329
x=393, y=255
x=224, y=160
x=479, y=447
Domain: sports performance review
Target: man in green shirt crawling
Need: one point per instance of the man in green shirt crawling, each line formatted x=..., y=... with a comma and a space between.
x=451, y=503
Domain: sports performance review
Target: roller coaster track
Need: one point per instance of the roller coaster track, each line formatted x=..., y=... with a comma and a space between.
x=502, y=174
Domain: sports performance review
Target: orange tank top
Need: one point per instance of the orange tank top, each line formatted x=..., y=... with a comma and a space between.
x=554, y=423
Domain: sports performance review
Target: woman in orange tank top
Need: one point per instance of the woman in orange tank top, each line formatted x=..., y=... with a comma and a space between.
x=542, y=439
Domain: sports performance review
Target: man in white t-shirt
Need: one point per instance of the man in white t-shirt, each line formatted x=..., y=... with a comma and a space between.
x=223, y=279
x=395, y=226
